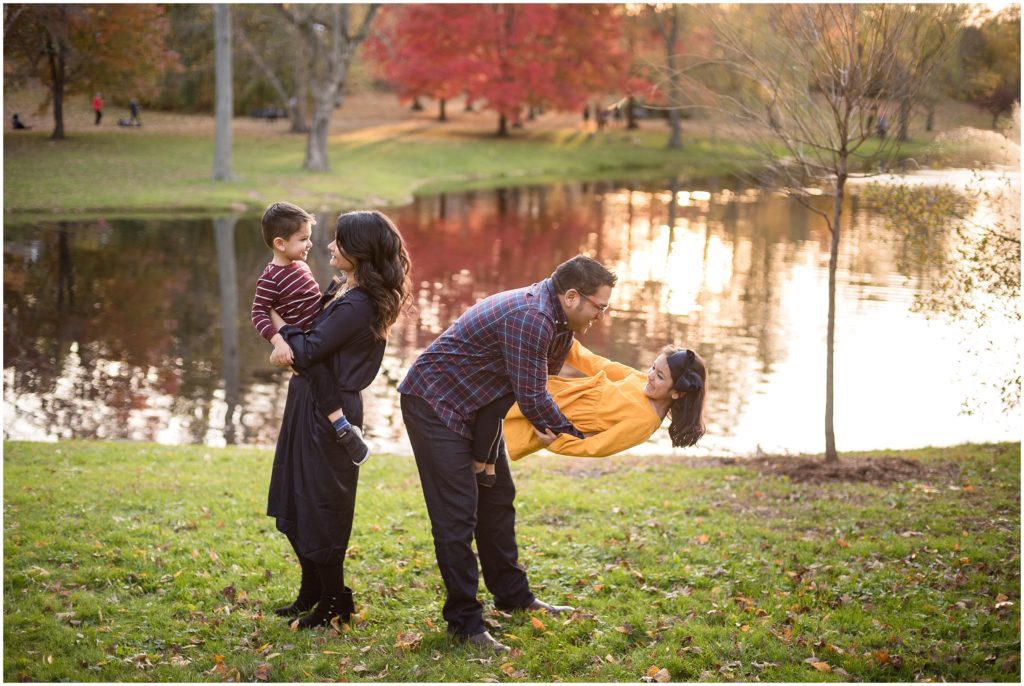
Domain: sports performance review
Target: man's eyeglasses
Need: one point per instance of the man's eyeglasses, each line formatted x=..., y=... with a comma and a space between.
x=600, y=308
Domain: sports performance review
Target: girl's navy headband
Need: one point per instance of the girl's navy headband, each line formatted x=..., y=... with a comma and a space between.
x=680, y=363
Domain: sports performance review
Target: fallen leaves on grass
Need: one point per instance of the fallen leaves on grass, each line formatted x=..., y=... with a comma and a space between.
x=819, y=665
x=408, y=641
x=222, y=670
x=657, y=675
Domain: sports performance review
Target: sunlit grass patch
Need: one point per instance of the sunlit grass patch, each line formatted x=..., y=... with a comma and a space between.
x=131, y=562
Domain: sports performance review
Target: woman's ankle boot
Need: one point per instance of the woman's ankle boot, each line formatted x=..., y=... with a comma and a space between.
x=304, y=602
x=309, y=591
x=329, y=607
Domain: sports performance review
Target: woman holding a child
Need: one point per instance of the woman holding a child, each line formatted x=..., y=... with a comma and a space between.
x=313, y=484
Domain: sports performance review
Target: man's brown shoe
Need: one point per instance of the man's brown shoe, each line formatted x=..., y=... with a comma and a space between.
x=485, y=640
x=550, y=609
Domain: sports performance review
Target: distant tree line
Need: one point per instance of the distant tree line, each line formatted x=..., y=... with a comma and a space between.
x=515, y=60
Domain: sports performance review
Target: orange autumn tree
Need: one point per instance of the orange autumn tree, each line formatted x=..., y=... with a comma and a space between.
x=504, y=56
x=85, y=48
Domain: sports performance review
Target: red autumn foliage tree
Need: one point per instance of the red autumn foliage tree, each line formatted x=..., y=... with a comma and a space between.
x=505, y=56
x=85, y=48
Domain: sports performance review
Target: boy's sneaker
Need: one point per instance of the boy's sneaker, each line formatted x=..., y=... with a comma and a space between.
x=485, y=479
x=351, y=441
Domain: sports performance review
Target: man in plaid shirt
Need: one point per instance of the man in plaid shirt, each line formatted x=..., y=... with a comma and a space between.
x=507, y=343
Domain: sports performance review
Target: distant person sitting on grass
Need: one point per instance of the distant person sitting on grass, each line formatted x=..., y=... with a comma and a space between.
x=287, y=286
x=615, y=406
x=16, y=123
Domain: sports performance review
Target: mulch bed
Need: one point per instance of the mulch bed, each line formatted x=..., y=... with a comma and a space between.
x=881, y=471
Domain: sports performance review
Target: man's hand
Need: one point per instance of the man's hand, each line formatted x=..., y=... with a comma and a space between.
x=547, y=438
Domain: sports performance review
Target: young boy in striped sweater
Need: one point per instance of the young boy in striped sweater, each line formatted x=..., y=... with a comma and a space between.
x=288, y=287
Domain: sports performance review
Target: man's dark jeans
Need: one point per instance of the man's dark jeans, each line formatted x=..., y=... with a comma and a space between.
x=460, y=511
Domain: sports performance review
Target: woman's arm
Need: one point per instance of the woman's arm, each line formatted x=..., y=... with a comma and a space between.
x=332, y=332
x=589, y=363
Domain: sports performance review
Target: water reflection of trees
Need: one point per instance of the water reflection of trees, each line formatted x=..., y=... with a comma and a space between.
x=117, y=330
x=113, y=328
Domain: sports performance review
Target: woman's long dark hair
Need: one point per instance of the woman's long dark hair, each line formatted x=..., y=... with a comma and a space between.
x=382, y=263
x=687, y=425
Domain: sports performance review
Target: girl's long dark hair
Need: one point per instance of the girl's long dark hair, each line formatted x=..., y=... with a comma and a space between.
x=687, y=425
x=382, y=263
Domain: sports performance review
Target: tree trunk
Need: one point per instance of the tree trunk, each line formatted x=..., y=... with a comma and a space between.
x=298, y=106
x=631, y=113
x=316, y=142
x=930, y=122
x=338, y=48
x=502, y=126
x=416, y=106
x=833, y=262
x=223, y=86
x=58, y=105
x=904, y=124
x=675, y=139
x=441, y=116
x=58, y=72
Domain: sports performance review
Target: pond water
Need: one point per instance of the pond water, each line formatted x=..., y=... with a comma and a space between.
x=140, y=329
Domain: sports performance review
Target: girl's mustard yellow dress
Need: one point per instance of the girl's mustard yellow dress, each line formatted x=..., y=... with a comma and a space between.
x=608, y=405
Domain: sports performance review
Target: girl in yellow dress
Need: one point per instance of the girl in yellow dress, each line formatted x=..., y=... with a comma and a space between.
x=615, y=406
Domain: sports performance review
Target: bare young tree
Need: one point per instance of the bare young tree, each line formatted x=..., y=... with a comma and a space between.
x=327, y=33
x=809, y=83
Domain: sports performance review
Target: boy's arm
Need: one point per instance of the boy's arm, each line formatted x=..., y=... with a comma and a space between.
x=262, y=302
x=282, y=354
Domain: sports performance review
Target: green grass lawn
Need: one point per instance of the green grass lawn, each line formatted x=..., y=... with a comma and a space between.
x=127, y=562
x=140, y=172
x=135, y=173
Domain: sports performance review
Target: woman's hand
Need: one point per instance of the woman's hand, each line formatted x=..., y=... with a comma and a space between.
x=547, y=438
x=279, y=358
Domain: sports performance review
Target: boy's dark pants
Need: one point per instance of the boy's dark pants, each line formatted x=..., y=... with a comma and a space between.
x=459, y=511
x=487, y=438
x=323, y=387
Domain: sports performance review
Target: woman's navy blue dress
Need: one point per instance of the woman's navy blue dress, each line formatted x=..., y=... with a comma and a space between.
x=313, y=484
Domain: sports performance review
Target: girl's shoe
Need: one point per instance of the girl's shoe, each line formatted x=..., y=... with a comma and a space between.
x=329, y=607
x=486, y=480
